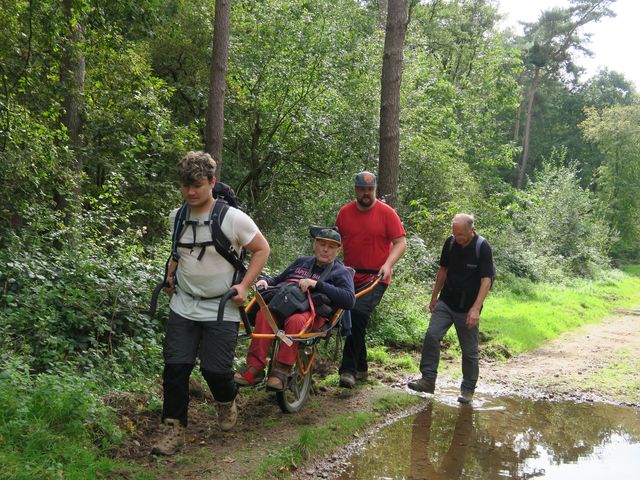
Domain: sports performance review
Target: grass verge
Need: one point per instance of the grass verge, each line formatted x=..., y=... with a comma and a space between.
x=527, y=315
x=337, y=431
x=621, y=378
x=53, y=426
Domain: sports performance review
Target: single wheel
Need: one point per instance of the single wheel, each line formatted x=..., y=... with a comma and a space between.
x=293, y=397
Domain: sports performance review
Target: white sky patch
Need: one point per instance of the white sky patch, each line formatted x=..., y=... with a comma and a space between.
x=613, y=41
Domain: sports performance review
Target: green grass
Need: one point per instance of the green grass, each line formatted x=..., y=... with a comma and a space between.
x=521, y=319
x=621, y=378
x=379, y=354
x=331, y=380
x=337, y=431
x=53, y=426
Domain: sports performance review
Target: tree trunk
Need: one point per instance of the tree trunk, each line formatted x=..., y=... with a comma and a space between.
x=516, y=128
x=72, y=73
x=397, y=20
x=527, y=129
x=214, y=130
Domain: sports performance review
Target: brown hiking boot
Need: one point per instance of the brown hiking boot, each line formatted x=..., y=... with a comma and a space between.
x=227, y=415
x=362, y=376
x=423, y=385
x=172, y=438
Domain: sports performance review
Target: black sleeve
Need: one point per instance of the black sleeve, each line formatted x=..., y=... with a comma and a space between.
x=446, y=252
x=339, y=288
x=485, y=262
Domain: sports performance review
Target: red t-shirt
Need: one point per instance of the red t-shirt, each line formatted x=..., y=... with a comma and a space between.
x=367, y=235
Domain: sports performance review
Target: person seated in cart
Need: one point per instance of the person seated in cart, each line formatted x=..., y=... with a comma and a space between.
x=325, y=277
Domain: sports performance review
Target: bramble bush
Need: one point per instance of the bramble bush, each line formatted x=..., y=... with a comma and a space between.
x=76, y=306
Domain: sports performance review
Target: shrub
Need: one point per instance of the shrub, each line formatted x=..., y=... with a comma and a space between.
x=559, y=228
x=400, y=318
x=75, y=306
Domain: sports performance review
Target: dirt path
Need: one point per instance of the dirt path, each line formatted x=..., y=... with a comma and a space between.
x=595, y=363
x=598, y=362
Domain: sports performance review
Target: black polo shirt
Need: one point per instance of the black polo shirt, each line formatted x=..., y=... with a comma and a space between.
x=464, y=272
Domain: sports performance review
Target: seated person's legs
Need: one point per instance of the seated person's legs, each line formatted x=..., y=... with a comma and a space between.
x=257, y=354
x=259, y=348
x=286, y=356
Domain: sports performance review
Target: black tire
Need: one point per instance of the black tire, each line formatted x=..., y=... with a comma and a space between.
x=292, y=399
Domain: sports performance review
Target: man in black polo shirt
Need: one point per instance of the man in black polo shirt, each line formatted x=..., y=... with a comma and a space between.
x=463, y=281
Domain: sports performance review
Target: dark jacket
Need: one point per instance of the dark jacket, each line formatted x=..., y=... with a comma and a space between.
x=338, y=285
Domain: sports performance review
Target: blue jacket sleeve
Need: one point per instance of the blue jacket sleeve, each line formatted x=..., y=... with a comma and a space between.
x=338, y=287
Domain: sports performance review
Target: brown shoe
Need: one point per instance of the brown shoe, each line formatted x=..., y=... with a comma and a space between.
x=227, y=415
x=362, y=376
x=278, y=377
x=172, y=438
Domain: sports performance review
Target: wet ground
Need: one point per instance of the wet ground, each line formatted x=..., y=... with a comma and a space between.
x=541, y=413
x=501, y=438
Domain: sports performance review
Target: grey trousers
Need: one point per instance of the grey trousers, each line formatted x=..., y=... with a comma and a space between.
x=442, y=318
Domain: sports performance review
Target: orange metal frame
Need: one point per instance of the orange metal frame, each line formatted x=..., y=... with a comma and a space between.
x=303, y=334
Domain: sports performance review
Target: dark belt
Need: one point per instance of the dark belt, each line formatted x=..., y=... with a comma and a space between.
x=196, y=297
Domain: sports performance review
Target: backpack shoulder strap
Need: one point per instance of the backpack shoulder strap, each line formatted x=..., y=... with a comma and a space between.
x=326, y=272
x=220, y=241
x=479, y=243
x=178, y=225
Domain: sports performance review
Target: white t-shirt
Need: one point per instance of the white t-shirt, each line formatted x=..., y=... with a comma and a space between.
x=212, y=275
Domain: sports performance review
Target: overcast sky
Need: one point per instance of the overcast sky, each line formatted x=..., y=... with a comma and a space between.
x=614, y=42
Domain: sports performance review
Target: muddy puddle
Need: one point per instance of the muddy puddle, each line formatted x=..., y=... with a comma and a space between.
x=503, y=438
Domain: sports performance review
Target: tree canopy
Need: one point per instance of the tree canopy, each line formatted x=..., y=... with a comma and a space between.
x=99, y=99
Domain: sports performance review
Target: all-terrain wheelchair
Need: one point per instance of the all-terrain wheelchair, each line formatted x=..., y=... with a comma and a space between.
x=298, y=386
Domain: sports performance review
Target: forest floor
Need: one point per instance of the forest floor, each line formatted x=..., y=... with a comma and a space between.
x=598, y=362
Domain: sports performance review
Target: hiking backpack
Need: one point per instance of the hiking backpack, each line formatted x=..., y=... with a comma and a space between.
x=225, y=197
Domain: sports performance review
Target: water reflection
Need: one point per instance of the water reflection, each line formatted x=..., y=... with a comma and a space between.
x=507, y=438
x=451, y=465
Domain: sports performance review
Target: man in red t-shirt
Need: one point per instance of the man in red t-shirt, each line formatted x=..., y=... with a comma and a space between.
x=373, y=240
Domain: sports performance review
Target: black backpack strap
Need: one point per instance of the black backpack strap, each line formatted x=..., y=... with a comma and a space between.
x=178, y=226
x=326, y=272
x=451, y=241
x=479, y=243
x=220, y=241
